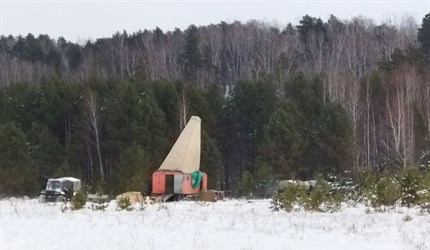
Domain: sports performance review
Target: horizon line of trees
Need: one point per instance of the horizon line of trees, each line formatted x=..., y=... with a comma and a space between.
x=319, y=97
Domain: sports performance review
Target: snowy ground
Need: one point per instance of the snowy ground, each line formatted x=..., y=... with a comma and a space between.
x=232, y=224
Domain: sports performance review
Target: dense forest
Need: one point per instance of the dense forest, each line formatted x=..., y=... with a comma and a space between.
x=334, y=96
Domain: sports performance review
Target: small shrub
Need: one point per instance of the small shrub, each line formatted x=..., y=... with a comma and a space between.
x=368, y=211
x=264, y=182
x=343, y=187
x=409, y=184
x=366, y=186
x=424, y=193
x=336, y=202
x=319, y=195
x=407, y=218
x=78, y=200
x=293, y=194
x=246, y=185
x=124, y=203
x=276, y=202
x=323, y=198
x=387, y=192
x=100, y=204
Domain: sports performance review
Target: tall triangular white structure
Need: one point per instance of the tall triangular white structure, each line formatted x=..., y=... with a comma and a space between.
x=185, y=153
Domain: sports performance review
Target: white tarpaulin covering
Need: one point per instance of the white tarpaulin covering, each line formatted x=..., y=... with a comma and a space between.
x=185, y=153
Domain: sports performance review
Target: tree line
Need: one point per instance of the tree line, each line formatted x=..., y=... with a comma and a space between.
x=318, y=97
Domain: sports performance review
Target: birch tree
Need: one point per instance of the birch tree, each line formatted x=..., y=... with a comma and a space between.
x=92, y=122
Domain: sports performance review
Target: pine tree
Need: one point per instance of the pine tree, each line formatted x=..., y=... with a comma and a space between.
x=167, y=98
x=45, y=151
x=133, y=172
x=331, y=149
x=17, y=176
x=149, y=127
x=283, y=144
x=191, y=58
x=424, y=34
x=246, y=115
x=211, y=161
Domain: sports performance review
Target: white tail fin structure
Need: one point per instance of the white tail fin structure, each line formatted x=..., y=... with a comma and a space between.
x=185, y=153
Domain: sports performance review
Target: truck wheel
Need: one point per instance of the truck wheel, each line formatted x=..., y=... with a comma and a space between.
x=64, y=207
x=62, y=199
x=42, y=199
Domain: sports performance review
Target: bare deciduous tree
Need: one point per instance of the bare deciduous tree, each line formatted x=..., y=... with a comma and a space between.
x=93, y=124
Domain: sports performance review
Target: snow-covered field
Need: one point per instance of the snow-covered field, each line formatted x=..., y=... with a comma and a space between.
x=231, y=224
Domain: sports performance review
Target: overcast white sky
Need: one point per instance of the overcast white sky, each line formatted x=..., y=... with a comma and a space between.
x=78, y=20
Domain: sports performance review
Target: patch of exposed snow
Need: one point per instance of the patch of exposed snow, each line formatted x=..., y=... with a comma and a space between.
x=231, y=224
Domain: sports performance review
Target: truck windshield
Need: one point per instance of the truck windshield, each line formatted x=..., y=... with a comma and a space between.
x=53, y=185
